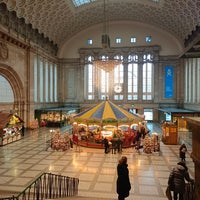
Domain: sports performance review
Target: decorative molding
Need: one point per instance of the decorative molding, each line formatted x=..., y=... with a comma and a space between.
x=6, y=38
x=3, y=51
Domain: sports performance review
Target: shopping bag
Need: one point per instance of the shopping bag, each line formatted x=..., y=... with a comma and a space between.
x=168, y=193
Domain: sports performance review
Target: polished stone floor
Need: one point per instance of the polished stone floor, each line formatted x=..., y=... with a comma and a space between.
x=24, y=160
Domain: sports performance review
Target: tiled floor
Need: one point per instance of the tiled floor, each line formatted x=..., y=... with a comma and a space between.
x=24, y=160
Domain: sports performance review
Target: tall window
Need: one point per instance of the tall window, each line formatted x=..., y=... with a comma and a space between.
x=55, y=83
x=104, y=84
x=118, y=82
x=192, y=80
x=35, y=79
x=132, y=77
x=89, y=79
x=45, y=80
x=147, y=80
x=51, y=82
x=41, y=81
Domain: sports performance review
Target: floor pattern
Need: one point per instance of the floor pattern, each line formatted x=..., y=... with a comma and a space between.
x=24, y=160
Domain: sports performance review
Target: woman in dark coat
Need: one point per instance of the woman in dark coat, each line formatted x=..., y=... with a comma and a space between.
x=123, y=182
x=182, y=152
x=177, y=178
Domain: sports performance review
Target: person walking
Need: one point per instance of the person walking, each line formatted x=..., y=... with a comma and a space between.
x=182, y=152
x=123, y=182
x=106, y=145
x=176, y=181
x=119, y=145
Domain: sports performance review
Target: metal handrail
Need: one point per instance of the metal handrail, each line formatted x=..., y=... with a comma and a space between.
x=50, y=186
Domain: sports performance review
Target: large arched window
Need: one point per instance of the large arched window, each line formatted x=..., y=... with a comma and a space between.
x=132, y=78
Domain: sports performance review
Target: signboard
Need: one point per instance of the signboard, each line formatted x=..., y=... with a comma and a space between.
x=169, y=82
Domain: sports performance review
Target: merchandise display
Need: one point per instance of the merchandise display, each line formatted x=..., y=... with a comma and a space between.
x=151, y=143
x=34, y=124
x=60, y=142
x=55, y=117
x=10, y=128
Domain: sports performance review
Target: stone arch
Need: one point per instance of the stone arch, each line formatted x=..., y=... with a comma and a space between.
x=12, y=77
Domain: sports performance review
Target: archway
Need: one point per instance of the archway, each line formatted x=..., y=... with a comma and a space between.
x=17, y=87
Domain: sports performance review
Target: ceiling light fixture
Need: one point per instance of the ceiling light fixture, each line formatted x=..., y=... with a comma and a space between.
x=105, y=62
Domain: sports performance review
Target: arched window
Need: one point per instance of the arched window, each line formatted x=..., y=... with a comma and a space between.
x=132, y=78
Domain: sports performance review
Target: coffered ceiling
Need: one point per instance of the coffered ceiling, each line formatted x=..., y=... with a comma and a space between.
x=59, y=20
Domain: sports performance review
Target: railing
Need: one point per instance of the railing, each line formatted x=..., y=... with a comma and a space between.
x=48, y=186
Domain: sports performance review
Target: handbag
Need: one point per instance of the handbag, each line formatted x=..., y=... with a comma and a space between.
x=168, y=193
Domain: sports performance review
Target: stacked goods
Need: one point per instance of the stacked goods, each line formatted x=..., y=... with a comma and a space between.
x=151, y=143
x=60, y=142
x=147, y=144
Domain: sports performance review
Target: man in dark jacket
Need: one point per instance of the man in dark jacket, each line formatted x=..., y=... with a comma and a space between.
x=177, y=178
x=106, y=145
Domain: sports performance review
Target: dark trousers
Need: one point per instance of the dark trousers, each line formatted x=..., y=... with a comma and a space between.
x=106, y=148
x=120, y=197
x=176, y=196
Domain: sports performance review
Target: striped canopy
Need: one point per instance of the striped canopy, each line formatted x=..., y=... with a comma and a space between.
x=106, y=112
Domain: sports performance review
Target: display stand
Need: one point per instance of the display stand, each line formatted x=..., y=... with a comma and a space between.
x=169, y=133
x=10, y=128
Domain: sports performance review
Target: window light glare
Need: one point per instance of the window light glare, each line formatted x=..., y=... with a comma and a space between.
x=78, y=3
x=118, y=40
x=148, y=39
x=133, y=39
x=89, y=41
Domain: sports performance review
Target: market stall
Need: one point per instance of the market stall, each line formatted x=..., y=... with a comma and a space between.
x=55, y=117
x=106, y=119
x=10, y=128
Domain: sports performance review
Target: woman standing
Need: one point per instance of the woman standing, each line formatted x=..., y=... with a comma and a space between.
x=123, y=182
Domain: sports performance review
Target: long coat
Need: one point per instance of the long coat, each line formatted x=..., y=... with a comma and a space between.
x=123, y=182
x=177, y=179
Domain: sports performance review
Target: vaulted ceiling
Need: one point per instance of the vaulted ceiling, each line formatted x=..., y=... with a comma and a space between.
x=59, y=20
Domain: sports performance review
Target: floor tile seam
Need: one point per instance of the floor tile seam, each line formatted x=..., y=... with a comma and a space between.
x=18, y=175
x=94, y=181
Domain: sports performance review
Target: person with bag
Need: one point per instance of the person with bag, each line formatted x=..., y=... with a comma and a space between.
x=176, y=181
x=123, y=182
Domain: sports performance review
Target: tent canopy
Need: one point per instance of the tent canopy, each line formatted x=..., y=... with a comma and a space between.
x=8, y=119
x=107, y=112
